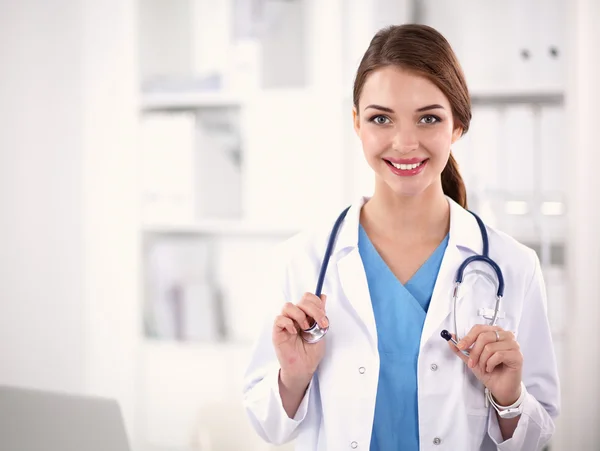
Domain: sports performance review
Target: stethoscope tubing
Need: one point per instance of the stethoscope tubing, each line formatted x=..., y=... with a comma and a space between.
x=315, y=333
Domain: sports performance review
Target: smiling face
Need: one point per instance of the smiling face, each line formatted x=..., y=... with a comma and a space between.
x=406, y=127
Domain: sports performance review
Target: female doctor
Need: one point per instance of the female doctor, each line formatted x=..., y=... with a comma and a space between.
x=383, y=378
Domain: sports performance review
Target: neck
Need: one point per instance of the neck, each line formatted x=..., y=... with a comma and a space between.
x=408, y=218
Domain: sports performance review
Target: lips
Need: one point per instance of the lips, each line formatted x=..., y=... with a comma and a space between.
x=407, y=167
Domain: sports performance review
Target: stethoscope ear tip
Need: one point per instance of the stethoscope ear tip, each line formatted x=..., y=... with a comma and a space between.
x=446, y=335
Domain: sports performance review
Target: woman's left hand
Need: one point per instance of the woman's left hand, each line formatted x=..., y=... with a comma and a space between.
x=496, y=360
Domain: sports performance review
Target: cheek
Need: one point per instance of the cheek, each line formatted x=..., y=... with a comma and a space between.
x=374, y=141
x=438, y=142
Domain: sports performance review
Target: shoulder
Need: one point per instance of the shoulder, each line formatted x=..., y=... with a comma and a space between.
x=307, y=244
x=510, y=250
x=299, y=258
x=519, y=263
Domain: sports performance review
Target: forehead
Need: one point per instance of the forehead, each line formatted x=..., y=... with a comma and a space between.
x=399, y=88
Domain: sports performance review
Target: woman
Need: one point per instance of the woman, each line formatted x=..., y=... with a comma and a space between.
x=383, y=378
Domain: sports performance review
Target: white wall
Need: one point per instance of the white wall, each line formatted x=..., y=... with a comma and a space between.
x=41, y=189
x=68, y=288
x=581, y=390
x=111, y=203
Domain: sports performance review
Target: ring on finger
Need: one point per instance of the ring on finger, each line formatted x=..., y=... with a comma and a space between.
x=497, y=335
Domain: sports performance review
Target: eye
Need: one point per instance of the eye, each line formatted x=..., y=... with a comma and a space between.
x=380, y=119
x=430, y=119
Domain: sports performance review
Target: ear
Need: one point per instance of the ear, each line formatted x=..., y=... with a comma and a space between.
x=456, y=134
x=356, y=120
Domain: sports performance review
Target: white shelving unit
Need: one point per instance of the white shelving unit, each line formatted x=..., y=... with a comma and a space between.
x=251, y=139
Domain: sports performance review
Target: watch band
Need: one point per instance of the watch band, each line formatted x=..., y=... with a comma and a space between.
x=512, y=411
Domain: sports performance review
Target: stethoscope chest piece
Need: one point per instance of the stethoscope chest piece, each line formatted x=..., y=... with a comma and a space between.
x=314, y=334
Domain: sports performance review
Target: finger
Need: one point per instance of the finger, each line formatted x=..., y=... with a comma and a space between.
x=492, y=348
x=285, y=323
x=467, y=341
x=324, y=300
x=457, y=351
x=311, y=298
x=315, y=313
x=312, y=306
x=483, y=339
x=298, y=315
x=496, y=359
x=512, y=358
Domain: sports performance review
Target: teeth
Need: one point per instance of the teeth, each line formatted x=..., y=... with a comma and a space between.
x=406, y=167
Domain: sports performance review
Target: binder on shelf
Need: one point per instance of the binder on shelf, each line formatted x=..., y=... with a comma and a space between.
x=218, y=166
x=181, y=296
x=167, y=193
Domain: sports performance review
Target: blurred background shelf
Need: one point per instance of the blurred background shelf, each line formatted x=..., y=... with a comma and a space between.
x=188, y=399
x=500, y=97
x=222, y=228
x=174, y=101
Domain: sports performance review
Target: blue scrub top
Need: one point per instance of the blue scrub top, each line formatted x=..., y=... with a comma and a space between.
x=400, y=312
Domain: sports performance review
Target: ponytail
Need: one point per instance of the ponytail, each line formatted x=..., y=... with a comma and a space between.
x=452, y=183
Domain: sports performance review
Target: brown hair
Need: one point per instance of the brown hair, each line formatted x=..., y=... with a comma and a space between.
x=422, y=49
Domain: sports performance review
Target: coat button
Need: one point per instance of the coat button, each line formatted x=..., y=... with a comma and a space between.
x=433, y=367
x=362, y=370
x=354, y=445
x=437, y=441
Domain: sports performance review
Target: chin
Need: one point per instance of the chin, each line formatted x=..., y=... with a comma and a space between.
x=410, y=188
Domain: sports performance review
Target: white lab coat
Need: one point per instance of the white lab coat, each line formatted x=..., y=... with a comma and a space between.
x=337, y=410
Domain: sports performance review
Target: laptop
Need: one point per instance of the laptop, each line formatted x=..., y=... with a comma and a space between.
x=36, y=420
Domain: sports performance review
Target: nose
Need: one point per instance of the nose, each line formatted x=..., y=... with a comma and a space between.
x=405, y=140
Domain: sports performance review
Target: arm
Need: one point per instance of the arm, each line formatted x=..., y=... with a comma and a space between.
x=275, y=404
x=534, y=428
x=292, y=392
x=507, y=426
x=275, y=410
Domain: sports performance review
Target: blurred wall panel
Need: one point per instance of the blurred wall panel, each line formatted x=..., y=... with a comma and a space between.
x=581, y=390
x=41, y=189
x=165, y=29
x=284, y=40
x=293, y=158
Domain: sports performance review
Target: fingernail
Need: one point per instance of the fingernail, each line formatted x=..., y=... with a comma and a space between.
x=325, y=322
x=460, y=345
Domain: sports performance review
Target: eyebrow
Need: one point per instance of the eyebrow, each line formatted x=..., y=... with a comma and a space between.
x=419, y=110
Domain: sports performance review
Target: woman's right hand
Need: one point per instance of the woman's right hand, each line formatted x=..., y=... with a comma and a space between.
x=299, y=360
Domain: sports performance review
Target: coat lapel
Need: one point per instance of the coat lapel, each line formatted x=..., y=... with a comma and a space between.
x=464, y=240
x=356, y=289
x=441, y=299
x=351, y=271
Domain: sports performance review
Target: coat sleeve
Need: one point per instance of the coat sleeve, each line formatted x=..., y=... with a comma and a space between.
x=540, y=375
x=261, y=397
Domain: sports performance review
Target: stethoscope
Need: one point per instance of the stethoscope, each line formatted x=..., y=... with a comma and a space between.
x=315, y=333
